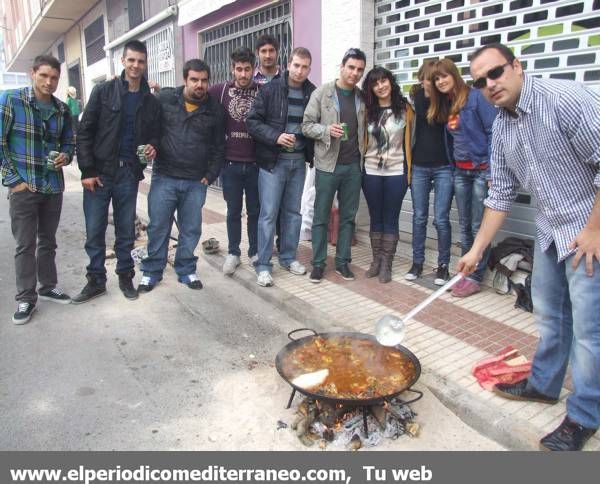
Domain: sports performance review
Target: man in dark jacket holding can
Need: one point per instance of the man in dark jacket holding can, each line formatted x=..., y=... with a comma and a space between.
x=282, y=152
x=190, y=155
x=120, y=115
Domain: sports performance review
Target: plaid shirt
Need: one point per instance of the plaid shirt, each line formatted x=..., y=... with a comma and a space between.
x=27, y=139
x=551, y=149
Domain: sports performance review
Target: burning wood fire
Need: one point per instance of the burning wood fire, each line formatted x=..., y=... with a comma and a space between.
x=325, y=423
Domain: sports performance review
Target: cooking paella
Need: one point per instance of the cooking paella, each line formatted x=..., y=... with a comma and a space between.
x=350, y=368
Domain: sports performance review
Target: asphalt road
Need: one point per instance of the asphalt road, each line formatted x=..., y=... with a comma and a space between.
x=175, y=370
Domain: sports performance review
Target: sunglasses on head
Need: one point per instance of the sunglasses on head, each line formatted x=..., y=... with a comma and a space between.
x=492, y=74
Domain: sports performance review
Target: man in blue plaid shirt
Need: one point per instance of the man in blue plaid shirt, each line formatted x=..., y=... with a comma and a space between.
x=545, y=140
x=37, y=141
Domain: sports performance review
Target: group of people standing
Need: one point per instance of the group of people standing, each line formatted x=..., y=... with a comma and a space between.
x=260, y=130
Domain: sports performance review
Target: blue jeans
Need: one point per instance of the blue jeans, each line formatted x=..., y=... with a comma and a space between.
x=280, y=188
x=122, y=189
x=566, y=303
x=240, y=177
x=470, y=190
x=442, y=180
x=166, y=196
x=384, y=195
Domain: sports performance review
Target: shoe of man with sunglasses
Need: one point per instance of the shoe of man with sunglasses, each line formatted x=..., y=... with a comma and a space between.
x=37, y=141
x=546, y=141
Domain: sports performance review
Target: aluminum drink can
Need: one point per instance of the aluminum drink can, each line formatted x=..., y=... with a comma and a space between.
x=288, y=149
x=52, y=155
x=346, y=132
x=141, y=155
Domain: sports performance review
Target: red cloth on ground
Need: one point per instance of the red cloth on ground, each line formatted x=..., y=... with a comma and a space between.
x=506, y=366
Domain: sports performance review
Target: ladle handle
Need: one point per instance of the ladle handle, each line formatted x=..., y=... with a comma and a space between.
x=432, y=297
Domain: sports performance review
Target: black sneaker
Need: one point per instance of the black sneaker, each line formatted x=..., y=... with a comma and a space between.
x=91, y=290
x=345, y=272
x=442, y=275
x=23, y=313
x=316, y=275
x=414, y=273
x=126, y=286
x=192, y=281
x=147, y=284
x=56, y=296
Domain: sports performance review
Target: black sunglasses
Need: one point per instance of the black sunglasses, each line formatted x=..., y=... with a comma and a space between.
x=492, y=74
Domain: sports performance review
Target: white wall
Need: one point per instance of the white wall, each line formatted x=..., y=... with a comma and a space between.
x=345, y=24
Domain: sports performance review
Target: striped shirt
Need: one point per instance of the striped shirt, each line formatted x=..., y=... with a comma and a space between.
x=552, y=149
x=26, y=139
x=294, y=123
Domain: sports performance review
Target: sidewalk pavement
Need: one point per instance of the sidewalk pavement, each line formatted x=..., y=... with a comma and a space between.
x=448, y=337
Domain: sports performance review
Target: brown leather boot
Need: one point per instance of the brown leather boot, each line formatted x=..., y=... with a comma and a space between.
x=389, y=242
x=376, y=249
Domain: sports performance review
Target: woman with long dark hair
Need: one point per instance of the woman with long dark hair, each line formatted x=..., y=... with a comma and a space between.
x=469, y=119
x=430, y=168
x=386, y=174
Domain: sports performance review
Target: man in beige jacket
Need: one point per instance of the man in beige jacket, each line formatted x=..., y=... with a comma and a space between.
x=335, y=119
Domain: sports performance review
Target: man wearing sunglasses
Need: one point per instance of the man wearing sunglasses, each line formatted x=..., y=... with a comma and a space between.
x=34, y=123
x=545, y=140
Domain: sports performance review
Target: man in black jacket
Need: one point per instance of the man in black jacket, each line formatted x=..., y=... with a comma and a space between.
x=281, y=152
x=190, y=156
x=120, y=115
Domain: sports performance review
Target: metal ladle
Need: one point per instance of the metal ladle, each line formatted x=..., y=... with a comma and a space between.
x=389, y=330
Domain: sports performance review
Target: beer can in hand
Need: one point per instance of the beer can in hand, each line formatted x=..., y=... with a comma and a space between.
x=52, y=155
x=141, y=154
x=346, y=132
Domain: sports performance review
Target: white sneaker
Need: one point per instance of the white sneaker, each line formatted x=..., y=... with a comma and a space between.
x=253, y=260
x=295, y=268
x=264, y=279
x=230, y=264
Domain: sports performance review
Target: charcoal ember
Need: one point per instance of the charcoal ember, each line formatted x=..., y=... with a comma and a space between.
x=328, y=434
x=379, y=414
x=306, y=440
x=355, y=442
x=302, y=427
x=394, y=428
x=413, y=429
x=402, y=410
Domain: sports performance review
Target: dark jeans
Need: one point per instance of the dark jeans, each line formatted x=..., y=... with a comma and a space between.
x=470, y=189
x=122, y=190
x=34, y=219
x=384, y=195
x=167, y=196
x=239, y=178
x=441, y=179
x=346, y=181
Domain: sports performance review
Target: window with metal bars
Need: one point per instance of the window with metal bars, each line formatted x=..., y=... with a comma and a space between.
x=94, y=41
x=217, y=44
x=60, y=51
x=135, y=11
